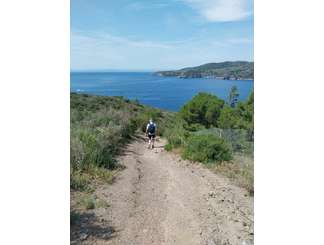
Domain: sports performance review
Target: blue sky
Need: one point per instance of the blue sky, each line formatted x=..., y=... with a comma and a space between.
x=159, y=34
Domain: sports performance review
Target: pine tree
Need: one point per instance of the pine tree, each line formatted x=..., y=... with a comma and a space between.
x=233, y=96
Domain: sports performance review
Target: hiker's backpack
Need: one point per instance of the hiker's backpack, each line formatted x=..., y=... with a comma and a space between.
x=151, y=128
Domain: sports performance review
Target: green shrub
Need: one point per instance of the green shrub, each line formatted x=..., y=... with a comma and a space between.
x=164, y=122
x=176, y=134
x=206, y=149
x=246, y=112
x=168, y=147
x=74, y=217
x=229, y=118
x=236, y=138
x=203, y=109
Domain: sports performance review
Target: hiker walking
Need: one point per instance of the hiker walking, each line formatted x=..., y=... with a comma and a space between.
x=150, y=132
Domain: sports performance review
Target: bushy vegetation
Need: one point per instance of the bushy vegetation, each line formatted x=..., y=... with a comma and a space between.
x=209, y=130
x=207, y=114
x=229, y=118
x=100, y=126
x=176, y=133
x=203, y=109
x=236, y=138
x=207, y=148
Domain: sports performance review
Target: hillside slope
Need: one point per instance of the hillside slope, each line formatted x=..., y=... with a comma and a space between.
x=224, y=70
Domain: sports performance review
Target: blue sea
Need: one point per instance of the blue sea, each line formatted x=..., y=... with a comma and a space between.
x=169, y=93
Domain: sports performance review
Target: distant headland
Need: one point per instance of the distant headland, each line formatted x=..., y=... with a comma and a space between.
x=228, y=70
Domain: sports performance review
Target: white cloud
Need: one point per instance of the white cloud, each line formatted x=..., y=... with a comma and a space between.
x=222, y=10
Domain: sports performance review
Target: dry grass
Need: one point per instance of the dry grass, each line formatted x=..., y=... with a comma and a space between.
x=240, y=170
x=82, y=201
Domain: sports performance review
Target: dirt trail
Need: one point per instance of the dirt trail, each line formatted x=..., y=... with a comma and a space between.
x=160, y=199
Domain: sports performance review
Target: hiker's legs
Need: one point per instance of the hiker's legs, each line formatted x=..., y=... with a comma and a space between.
x=149, y=141
x=153, y=140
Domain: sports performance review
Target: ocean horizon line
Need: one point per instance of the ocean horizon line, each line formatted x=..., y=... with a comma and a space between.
x=108, y=70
